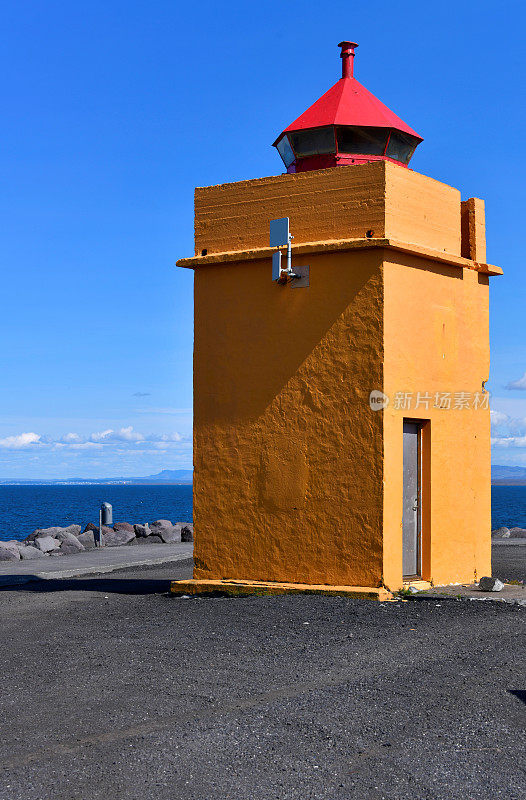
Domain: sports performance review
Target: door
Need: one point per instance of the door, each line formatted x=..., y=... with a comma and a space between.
x=411, y=506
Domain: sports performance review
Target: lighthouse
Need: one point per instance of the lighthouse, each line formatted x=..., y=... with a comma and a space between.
x=341, y=419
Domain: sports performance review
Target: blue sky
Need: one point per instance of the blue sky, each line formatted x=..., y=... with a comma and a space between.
x=114, y=111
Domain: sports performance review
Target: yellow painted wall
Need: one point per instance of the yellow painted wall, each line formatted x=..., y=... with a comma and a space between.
x=437, y=340
x=287, y=455
x=340, y=203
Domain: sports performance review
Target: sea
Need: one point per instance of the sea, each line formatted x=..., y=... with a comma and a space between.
x=25, y=508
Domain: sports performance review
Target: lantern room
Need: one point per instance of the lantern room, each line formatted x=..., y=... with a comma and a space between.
x=347, y=125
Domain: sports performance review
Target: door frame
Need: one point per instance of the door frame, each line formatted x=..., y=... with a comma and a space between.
x=423, y=493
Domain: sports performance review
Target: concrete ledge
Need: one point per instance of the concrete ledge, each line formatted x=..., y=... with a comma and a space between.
x=340, y=245
x=235, y=588
x=508, y=542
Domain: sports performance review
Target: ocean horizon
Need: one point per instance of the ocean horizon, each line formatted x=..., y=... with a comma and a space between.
x=25, y=507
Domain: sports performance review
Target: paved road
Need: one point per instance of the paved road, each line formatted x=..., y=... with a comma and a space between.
x=508, y=562
x=114, y=691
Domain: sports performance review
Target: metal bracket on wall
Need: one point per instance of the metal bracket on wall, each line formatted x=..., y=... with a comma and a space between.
x=302, y=277
x=280, y=236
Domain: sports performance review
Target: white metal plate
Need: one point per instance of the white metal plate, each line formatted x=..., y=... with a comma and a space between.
x=279, y=232
x=276, y=266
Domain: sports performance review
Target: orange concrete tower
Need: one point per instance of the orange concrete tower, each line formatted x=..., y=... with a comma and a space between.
x=341, y=425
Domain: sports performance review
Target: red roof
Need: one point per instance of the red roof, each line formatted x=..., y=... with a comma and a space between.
x=349, y=103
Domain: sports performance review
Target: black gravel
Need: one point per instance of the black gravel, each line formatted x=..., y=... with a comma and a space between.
x=111, y=691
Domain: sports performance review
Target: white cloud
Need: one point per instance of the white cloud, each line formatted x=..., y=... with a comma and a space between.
x=70, y=437
x=125, y=439
x=498, y=418
x=98, y=437
x=122, y=435
x=508, y=441
x=519, y=384
x=128, y=435
x=86, y=446
x=20, y=441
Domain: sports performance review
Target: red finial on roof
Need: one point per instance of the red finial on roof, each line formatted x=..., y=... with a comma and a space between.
x=347, y=57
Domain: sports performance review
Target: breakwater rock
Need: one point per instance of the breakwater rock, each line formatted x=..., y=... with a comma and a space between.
x=509, y=533
x=63, y=541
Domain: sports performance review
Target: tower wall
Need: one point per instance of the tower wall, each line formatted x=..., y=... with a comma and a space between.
x=296, y=478
x=436, y=327
x=288, y=456
x=381, y=198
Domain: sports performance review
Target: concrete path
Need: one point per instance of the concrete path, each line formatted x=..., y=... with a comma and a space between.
x=508, y=542
x=106, y=559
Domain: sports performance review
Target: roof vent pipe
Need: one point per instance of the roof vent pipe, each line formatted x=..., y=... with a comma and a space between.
x=347, y=57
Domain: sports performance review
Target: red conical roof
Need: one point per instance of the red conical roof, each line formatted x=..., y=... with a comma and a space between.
x=349, y=103
x=347, y=125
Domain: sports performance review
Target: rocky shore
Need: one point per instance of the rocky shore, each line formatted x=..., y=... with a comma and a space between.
x=62, y=541
x=509, y=533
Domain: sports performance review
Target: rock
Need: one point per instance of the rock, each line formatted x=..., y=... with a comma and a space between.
x=115, y=538
x=124, y=526
x=27, y=552
x=142, y=530
x=60, y=533
x=71, y=545
x=87, y=540
x=90, y=527
x=96, y=536
x=187, y=533
x=500, y=533
x=6, y=554
x=70, y=549
x=161, y=523
x=153, y=539
x=71, y=538
x=12, y=544
x=170, y=535
x=490, y=585
x=47, y=544
x=67, y=534
x=518, y=533
x=105, y=531
x=167, y=531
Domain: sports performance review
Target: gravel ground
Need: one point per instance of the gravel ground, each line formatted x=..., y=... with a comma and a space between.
x=112, y=690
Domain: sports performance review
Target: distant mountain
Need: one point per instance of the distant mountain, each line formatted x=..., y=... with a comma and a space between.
x=167, y=476
x=505, y=474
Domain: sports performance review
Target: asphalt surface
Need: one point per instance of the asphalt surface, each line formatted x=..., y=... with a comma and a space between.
x=111, y=689
x=508, y=562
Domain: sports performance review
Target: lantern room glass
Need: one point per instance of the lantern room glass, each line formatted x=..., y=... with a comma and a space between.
x=401, y=147
x=285, y=151
x=314, y=142
x=362, y=141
